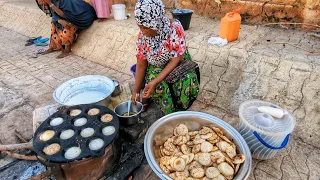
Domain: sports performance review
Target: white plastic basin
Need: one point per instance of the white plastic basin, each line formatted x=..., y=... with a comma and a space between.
x=84, y=90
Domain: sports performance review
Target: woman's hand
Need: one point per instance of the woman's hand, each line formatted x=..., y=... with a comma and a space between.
x=148, y=90
x=135, y=97
x=48, y=1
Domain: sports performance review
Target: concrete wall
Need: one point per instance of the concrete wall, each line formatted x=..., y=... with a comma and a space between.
x=252, y=11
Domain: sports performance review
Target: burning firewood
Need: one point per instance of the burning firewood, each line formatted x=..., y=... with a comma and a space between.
x=12, y=147
x=42, y=175
x=20, y=156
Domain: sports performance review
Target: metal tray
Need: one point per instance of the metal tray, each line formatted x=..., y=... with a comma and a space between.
x=76, y=140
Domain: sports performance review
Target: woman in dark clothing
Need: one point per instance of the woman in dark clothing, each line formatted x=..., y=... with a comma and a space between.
x=68, y=18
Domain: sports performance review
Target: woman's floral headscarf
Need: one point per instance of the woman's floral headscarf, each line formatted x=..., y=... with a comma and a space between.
x=151, y=14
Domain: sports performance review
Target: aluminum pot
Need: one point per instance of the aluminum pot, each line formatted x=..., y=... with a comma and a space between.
x=90, y=89
x=122, y=108
x=163, y=129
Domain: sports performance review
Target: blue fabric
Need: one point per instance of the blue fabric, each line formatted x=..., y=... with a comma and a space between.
x=78, y=12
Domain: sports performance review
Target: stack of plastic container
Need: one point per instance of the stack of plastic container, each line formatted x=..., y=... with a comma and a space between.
x=264, y=134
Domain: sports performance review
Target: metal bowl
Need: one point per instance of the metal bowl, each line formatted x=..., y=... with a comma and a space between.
x=90, y=89
x=163, y=129
x=122, y=108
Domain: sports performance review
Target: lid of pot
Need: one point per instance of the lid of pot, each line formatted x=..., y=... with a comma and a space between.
x=265, y=122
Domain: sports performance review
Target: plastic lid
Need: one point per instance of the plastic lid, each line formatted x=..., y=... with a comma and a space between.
x=263, y=122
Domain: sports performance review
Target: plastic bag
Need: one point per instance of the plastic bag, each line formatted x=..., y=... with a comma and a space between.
x=217, y=41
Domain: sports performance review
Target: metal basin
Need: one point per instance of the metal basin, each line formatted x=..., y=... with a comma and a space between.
x=91, y=89
x=163, y=129
x=122, y=108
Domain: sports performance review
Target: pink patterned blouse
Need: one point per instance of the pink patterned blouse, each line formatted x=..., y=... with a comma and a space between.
x=174, y=46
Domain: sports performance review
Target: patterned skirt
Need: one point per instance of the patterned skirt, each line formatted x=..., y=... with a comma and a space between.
x=177, y=96
x=62, y=33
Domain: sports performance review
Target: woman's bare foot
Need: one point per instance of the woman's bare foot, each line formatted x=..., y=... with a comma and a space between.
x=50, y=50
x=64, y=54
x=102, y=19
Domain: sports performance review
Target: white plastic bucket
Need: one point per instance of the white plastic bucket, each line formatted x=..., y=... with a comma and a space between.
x=264, y=134
x=119, y=11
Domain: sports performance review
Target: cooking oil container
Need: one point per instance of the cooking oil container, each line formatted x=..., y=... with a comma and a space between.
x=230, y=26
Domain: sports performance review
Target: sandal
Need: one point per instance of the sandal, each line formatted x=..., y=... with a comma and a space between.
x=29, y=43
x=43, y=40
x=41, y=44
x=40, y=51
x=33, y=39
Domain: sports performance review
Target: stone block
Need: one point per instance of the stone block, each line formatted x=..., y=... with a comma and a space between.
x=260, y=87
x=277, y=90
x=203, y=81
x=216, y=73
x=197, y=106
x=206, y=97
x=225, y=94
x=252, y=63
x=283, y=70
x=301, y=66
x=296, y=83
x=267, y=69
x=234, y=71
x=222, y=60
x=279, y=14
x=215, y=111
x=207, y=66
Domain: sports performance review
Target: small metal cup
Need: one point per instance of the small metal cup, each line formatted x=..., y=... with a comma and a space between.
x=122, y=108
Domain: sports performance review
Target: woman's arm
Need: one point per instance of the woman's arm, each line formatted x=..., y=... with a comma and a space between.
x=141, y=70
x=148, y=90
x=56, y=9
x=169, y=67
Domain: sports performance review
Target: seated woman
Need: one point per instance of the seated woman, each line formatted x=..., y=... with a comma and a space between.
x=161, y=47
x=68, y=18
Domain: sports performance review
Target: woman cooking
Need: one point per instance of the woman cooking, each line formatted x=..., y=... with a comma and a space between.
x=163, y=60
x=68, y=18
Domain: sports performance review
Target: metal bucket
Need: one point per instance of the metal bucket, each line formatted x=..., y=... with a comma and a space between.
x=122, y=108
x=162, y=129
x=91, y=89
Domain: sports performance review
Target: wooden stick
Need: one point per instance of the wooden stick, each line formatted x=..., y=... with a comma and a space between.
x=295, y=45
x=22, y=139
x=42, y=175
x=307, y=24
x=20, y=156
x=11, y=147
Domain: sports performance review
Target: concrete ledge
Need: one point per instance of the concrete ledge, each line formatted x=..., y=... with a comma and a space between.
x=251, y=67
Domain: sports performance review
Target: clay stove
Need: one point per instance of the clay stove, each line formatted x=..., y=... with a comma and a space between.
x=89, y=164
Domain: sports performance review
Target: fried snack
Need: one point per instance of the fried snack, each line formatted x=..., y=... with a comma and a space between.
x=51, y=149
x=75, y=112
x=93, y=111
x=47, y=135
x=199, y=155
x=106, y=118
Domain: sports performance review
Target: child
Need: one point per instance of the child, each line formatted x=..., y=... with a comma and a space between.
x=102, y=8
